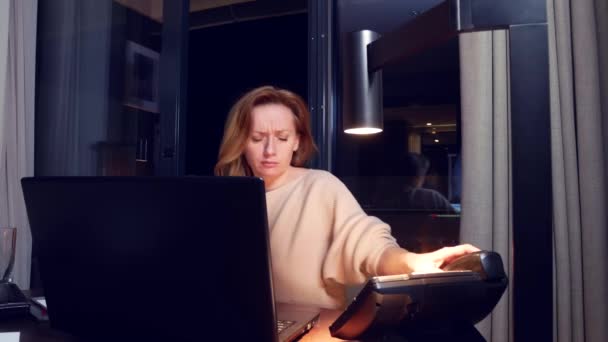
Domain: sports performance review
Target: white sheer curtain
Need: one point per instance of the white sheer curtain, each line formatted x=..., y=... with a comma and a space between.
x=4, y=26
x=486, y=167
x=17, y=77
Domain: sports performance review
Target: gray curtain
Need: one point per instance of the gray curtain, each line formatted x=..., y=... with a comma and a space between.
x=578, y=55
x=578, y=42
x=486, y=167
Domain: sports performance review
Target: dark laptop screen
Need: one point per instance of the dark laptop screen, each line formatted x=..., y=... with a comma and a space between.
x=169, y=258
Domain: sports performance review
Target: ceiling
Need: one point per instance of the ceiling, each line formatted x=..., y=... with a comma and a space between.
x=208, y=13
x=154, y=8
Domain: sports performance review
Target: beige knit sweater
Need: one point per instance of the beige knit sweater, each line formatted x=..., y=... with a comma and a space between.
x=320, y=240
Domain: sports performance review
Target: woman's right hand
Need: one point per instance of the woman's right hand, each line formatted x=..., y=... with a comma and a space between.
x=397, y=260
x=433, y=261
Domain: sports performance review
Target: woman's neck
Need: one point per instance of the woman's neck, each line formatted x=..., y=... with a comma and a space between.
x=279, y=181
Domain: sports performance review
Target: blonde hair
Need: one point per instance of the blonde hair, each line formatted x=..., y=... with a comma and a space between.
x=231, y=161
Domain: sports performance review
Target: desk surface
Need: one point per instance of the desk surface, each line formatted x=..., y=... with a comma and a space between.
x=321, y=331
x=34, y=331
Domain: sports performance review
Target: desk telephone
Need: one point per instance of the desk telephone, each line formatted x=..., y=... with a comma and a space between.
x=427, y=306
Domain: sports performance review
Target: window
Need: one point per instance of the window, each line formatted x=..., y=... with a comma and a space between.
x=408, y=175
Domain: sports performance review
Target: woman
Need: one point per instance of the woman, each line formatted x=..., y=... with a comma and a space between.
x=320, y=238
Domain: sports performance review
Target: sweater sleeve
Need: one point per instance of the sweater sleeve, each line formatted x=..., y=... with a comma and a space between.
x=357, y=240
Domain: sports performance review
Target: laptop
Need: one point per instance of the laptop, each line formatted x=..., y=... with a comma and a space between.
x=158, y=258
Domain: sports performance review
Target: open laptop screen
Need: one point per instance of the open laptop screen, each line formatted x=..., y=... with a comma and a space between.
x=173, y=258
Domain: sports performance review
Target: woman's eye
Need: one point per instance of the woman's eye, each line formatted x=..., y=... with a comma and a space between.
x=283, y=138
x=256, y=139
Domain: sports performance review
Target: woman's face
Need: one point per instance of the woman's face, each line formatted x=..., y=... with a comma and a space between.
x=271, y=142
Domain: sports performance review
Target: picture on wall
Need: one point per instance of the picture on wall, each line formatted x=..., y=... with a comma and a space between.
x=142, y=73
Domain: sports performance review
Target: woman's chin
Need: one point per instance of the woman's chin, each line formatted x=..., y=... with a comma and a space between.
x=269, y=174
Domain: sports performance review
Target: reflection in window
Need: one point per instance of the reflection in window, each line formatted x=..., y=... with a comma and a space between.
x=409, y=174
x=407, y=188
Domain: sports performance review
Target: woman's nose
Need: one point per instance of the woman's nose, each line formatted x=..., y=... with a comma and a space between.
x=269, y=148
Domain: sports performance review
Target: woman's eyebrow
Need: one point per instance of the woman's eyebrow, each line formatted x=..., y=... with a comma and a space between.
x=275, y=132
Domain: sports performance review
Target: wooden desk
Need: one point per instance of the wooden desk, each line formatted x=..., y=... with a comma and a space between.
x=34, y=331
x=320, y=332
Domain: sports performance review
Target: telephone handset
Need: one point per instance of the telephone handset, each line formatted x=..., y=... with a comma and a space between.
x=487, y=264
x=461, y=296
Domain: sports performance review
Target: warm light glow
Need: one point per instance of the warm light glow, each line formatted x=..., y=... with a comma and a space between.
x=363, y=130
x=429, y=124
x=436, y=140
x=434, y=132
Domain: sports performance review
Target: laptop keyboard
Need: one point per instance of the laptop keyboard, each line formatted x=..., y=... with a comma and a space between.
x=283, y=324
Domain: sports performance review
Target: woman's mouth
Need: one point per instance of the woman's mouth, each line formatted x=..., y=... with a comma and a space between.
x=269, y=164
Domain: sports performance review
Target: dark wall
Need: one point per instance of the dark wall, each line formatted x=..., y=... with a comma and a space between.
x=225, y=62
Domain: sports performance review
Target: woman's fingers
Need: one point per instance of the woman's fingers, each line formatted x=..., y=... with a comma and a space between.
x=433, y=261
x=447, y=254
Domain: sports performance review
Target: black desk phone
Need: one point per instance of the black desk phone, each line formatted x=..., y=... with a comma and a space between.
x=426, y=307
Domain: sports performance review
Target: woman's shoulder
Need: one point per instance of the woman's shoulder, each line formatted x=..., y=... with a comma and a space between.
x=324, y=181
x=322, y=175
